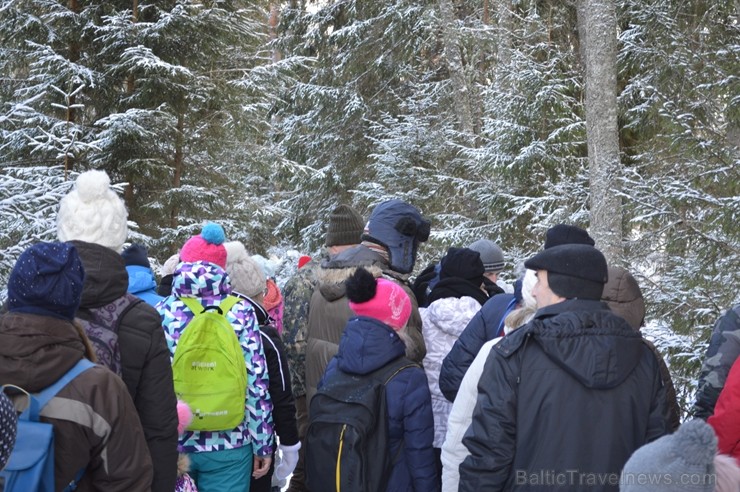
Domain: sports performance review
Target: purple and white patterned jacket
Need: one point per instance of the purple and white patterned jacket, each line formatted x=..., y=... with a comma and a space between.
x=209, y=283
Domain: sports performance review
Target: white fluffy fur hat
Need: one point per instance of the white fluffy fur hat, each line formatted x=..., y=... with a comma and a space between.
x=93, y=212
x=246, y=274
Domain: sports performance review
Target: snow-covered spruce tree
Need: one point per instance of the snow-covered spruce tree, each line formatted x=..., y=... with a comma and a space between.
x=29, y=199
x=678, y=64
x=191, y=115
x=530, y=171
x=48, y=81
x=365, y=59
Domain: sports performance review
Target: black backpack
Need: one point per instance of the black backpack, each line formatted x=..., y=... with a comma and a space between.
x=347, y=437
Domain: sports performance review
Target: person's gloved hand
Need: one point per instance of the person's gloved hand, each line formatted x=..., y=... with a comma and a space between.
x=288, y=462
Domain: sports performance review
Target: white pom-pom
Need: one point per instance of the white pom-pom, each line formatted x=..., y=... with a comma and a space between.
x=236, y=252
x=92, y=185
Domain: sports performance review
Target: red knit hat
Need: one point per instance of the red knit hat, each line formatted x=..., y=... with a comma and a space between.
x=303, y=260
x=206, y=246
x=381, y=299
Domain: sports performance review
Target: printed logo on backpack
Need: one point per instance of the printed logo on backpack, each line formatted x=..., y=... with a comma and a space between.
x=208, y=368
x=31, y=463
x=347, y=436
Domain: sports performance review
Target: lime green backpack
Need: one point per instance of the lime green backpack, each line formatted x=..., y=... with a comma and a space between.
x=208, y=368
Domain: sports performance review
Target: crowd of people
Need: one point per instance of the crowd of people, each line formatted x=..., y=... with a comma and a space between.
x=355, y=375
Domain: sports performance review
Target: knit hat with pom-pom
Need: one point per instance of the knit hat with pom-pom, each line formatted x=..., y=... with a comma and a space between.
x=682, y=461
x=206, y=246
x=381, y=299
x=93, y=212
x=246, y=275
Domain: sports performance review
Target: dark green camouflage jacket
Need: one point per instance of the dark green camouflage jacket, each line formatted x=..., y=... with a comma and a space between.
x=296, y=301
x=724, y=349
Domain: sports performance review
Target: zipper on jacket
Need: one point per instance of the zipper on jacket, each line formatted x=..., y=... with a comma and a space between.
x=339, y=457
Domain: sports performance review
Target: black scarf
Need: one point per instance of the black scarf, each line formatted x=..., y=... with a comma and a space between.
x=456, y=287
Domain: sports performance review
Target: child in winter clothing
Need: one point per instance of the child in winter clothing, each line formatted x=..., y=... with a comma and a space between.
x=221, y=460
x=453, y=302
x=372, y=339
x=39, y=343
x=248, y=282
x=94, y=218
x=141, y=280
x=185, y=482
x=686, y=460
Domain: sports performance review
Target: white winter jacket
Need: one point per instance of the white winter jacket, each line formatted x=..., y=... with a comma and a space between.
x=461, y=415
x=442, y=323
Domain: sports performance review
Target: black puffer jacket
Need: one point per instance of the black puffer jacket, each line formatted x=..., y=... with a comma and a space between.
x=147, y=370
x=563, y=402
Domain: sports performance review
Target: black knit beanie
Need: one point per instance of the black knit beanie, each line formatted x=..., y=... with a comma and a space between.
x=345, y=227
x=462, y=263
x=566, y=234
x=136, y=254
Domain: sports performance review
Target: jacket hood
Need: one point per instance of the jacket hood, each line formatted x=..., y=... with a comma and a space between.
x=450, y=315
x=588, y=341
x=367, y=345
x=36, y=350
x=140, y=279
x=623, y=295
x=200, y=279
x=584, y=338
x=106, y=278
x=336, y=270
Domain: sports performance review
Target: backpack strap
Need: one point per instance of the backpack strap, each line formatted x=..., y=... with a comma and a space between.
x=44, y=396
x=197, y=308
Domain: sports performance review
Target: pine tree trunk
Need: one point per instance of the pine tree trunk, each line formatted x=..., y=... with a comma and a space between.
x=274, y=21
x=178, y=165
x=453, y=56
x=74, y=55
x=597, y=26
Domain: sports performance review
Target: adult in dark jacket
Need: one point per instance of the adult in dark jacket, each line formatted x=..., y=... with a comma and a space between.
x=566, y=399
x=372, y=339
x=488, y=323
x=388, y=250
x=248, y=282
x=94, y=419
x=344, y=230
x=93, y=218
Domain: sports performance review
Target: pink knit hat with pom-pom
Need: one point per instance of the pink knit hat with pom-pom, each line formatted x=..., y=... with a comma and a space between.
x=381, y=299
x=206, y=246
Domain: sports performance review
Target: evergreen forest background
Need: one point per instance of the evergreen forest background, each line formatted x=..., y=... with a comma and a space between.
x=265, y=115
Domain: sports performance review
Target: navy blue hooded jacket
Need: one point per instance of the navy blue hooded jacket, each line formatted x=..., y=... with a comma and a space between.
x=367, y=345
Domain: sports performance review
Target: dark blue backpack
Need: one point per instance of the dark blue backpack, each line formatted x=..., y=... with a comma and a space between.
x=31, y=463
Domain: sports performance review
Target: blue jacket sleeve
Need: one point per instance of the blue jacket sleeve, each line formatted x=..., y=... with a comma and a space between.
x=418, y=423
